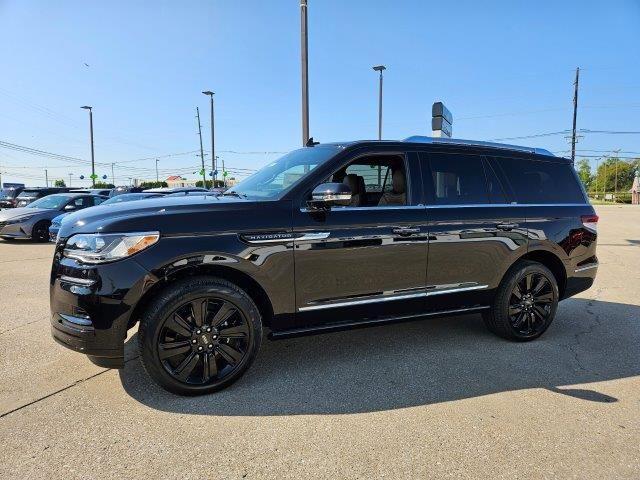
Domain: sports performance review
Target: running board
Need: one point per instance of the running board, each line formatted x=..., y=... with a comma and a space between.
x=335, y=327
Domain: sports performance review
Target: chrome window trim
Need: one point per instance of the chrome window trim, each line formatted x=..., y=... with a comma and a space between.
x=453, y=205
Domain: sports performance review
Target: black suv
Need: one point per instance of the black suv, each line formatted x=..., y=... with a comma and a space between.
x=328, y=237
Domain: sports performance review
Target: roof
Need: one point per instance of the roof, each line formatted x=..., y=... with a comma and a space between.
x=174, y=177
x=420, y=139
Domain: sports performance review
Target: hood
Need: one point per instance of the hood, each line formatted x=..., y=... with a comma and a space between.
x=168, y=215
x=22, y=212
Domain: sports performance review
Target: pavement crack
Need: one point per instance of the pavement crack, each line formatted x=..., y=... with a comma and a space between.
x=49, y=395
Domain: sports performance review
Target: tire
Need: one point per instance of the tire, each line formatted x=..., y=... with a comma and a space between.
x=177, y=350
x=40, y=231
x=525, y=318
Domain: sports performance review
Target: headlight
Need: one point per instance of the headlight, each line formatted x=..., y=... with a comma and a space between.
x=103, y=248
x=18, y=220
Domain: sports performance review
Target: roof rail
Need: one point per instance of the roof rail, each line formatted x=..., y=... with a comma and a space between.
x=478, y=143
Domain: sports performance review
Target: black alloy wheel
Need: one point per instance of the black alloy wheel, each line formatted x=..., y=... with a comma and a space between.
x=40, y=232
x=525, y=303
x=530, y=304
x=203, y=340
x=199, y=336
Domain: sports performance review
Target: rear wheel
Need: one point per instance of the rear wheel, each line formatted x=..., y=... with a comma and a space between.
x=525, y=303
x=40, y=232
x=199, y=336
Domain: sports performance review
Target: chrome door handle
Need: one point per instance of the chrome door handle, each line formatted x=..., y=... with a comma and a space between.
x=507, y=226
x=406, y=230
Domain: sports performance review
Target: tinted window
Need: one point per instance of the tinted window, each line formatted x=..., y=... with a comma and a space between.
x=458, y=179
x=494, y=186
x=535, y=181
x=374, y=175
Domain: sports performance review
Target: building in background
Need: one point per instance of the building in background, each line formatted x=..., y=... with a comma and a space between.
x=178, y=181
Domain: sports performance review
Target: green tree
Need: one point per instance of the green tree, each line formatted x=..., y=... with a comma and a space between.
x=104, y=185
x=59, y=183
x=584, y=172
x=154, y=185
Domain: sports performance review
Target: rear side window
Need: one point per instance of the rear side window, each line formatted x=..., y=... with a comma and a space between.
x=535, y=181
x=458, y=179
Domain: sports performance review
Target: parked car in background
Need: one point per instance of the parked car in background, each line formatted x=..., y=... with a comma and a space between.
x=29, y=195
x=105, y=192
x=32, y=221
x=327, y=237
x=8, y=196
x=54, y=228
x=196, y=193
x=168, y=190
x=124, y=189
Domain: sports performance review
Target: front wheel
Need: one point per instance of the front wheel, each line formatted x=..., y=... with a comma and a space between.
x=525, y=303
x=199, y=336
x=40, y=232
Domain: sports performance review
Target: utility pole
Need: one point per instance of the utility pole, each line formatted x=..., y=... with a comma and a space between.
x=380, y=68
x=46, y=178
x=204, y=176
x=224, y=174
x=93, y=162
x=615, y=189
x=575, y=116
x=70, y=179
x=213, y=145
x=157, y=176
x=304, y=44
x=113, y=179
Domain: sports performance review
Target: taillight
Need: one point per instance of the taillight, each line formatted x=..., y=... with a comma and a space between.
x=590, y=222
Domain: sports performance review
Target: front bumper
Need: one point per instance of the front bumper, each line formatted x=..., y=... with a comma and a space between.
x=16, y=230
x=92, y=305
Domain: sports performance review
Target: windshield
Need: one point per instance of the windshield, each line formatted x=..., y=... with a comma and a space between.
x=7, y=193
x=50, y=202
x=128, y=197
x=28, y=194
x=277, y=177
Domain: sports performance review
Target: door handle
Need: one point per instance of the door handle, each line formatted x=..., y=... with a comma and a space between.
x=406, y=230
x=507, y=226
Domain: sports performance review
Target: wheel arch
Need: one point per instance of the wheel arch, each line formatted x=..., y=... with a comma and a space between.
x=552, y=262
x=241, y=279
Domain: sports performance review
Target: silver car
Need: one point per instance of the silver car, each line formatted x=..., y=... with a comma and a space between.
x=33, y=220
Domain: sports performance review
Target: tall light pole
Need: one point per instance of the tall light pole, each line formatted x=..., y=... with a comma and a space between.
x=70, y=179
x=213, y=145
x=93, y=162
x=113, y=180
x=157, y=176
x=304, y=48
x=380, y=68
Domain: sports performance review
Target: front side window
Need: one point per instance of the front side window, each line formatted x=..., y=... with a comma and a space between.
x=50, y=202
x=375, y=181
x=458, y=179
x=277, y=177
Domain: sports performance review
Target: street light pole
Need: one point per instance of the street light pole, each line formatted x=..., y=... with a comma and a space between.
x=213, y=145
x=70, y=179
x=93, y=162
x=380, y=68
x=157, y=176
x=304, y=60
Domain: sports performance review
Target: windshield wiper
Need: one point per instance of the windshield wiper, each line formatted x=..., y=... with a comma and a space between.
x=234, y=194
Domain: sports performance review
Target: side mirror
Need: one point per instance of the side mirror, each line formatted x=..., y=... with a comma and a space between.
x=69, y=208
x=327, y=195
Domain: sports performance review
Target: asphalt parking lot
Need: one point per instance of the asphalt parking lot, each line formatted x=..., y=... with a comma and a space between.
x=433, y=398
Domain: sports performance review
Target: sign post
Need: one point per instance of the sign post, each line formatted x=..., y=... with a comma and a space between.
x=441, y=121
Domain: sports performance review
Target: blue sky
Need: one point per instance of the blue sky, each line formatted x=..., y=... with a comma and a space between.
x=504, y=69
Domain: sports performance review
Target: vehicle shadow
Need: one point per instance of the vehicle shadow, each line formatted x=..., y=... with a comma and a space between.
x=417, y=363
